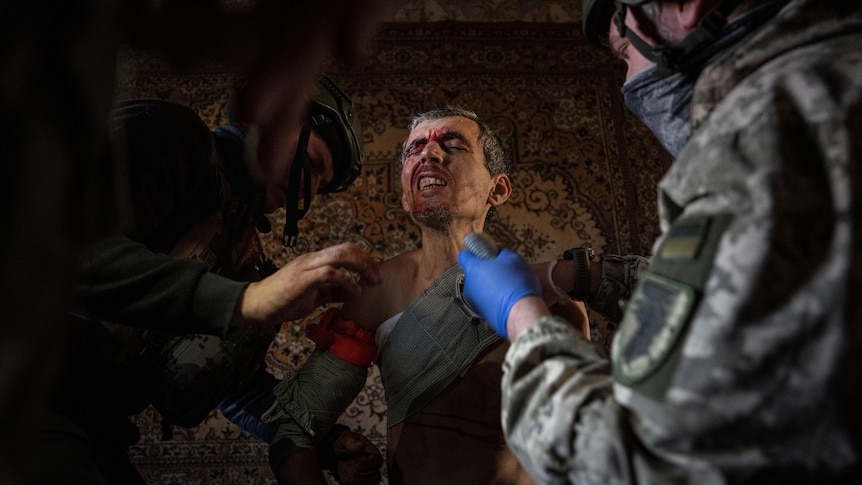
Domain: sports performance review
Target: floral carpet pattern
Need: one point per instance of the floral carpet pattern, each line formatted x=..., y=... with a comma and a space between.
x=585, y=175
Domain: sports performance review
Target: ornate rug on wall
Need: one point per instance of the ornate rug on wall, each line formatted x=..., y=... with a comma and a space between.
x=585, y=174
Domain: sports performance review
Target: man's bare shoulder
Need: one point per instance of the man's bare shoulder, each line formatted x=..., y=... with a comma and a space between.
x=391, y=296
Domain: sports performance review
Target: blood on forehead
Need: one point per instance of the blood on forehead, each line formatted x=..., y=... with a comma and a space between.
x=424, y=137
x=437, y=134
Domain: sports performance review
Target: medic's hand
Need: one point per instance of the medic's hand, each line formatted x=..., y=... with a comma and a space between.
x=493, y=286
x=307, y=282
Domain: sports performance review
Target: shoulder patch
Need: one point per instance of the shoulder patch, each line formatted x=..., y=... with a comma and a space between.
x=657, y=313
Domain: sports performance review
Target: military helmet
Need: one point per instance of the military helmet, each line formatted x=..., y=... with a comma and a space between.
x=596, y=21
x=333, y=117
x=596, y=18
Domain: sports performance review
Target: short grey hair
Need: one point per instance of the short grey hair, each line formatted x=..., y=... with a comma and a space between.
x=496, y=160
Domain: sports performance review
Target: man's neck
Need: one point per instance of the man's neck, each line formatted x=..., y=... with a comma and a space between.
x=440, y=250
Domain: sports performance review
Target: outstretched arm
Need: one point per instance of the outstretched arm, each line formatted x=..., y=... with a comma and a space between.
x=306, y=408
x=307, y=282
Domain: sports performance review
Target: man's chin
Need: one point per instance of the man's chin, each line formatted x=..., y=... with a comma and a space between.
x=438, y=219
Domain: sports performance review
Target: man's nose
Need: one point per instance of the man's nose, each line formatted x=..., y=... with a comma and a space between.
x=432, y=152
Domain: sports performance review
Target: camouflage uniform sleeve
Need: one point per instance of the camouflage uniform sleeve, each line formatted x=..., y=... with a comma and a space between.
x=558, y=414
x=737, y=358
x=308, y=403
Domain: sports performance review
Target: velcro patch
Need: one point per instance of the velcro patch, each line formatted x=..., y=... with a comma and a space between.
x=684, y=239
x=657, y=313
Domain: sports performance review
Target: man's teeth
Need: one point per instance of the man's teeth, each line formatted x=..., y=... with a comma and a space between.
x=430, y=182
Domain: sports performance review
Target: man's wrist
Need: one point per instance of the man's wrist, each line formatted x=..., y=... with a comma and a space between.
x=247, y=312
x=299, y=465
x=562, y=296
x=325, y=452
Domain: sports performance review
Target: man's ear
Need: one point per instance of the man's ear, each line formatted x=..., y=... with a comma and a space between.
x=501, y=191
x=404, y=201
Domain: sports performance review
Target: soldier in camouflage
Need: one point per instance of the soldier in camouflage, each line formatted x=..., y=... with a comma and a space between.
x=740, y=349
x=191, y=299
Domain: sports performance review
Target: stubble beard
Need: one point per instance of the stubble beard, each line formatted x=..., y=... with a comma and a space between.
x=437, y=218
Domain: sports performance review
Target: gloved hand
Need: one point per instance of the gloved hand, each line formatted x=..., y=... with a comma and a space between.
x=492, y=286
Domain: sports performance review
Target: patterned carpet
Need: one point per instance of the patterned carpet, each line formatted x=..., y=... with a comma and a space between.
x=586, y=173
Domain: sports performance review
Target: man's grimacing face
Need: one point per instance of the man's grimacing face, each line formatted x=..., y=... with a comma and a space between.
x=444, y=174
x=322, y=172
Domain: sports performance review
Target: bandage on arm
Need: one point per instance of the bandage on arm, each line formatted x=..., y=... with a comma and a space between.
x=308, y=403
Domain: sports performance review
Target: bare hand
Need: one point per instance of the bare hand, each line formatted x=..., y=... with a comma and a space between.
x=357, y=460
x=309, y=281
x=354, y=461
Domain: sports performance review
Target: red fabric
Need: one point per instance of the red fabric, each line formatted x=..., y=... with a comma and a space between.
x=343, y=338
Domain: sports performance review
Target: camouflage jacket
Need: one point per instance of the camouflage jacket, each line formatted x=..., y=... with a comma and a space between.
x=740, y=353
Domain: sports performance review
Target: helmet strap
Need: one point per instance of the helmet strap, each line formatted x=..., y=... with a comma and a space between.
x=670, y=59
x=299, y=168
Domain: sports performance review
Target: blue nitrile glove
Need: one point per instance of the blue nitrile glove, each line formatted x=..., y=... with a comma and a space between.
x=492, y=286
